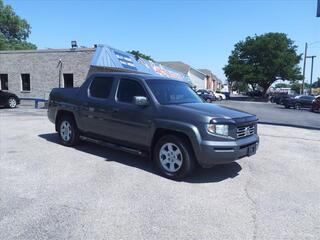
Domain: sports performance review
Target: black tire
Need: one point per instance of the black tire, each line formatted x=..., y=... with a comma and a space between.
x=286, y=106
x=74, y=137
x=220, y=98
x=208, y=100
x=187, y=157
x=12, y=102
x=297, y=106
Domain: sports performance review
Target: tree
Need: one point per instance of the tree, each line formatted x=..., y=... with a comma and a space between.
x=261, y=60
x=138, y=55
x=14, y=30
x=316, y=84
x=296, y=86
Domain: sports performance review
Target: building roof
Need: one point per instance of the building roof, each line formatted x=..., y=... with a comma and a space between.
x=182, y=67
x=49, y=50
x=206, y=71
x=177, y=65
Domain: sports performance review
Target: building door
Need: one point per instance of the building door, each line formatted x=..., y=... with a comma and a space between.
x=3, y=81
x=68, y=80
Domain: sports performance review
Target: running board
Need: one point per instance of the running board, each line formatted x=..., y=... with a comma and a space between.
x=114, y=146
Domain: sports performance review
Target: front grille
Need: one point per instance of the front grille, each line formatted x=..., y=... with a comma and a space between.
x=245, y=131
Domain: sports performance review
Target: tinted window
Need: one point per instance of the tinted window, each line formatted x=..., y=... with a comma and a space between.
x=128, y=89
x=25, y=82
x=101, y=87
x=173, y=92
x=307, y=97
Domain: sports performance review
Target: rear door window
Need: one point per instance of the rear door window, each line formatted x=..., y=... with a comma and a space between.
x=101, y=87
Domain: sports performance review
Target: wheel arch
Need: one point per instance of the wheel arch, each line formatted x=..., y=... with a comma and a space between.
x=191, y=135
x=60, y=114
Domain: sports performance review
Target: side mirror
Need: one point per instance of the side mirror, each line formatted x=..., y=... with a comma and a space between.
x=140, y=101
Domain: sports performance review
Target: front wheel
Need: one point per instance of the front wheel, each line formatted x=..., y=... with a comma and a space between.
x=173, y=156
x=68, y=131
x=208, y=100
x=220, y=98
x=297, y=106
x=12, y=102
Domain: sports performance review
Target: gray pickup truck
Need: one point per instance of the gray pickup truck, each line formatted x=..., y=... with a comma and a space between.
x=160, y=117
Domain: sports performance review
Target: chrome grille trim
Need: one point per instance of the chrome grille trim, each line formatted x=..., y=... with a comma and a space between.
x=245, y=131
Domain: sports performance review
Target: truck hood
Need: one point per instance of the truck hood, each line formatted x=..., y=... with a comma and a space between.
x=215, y=111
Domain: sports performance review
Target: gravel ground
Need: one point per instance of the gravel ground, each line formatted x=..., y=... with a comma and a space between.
x=48, y=191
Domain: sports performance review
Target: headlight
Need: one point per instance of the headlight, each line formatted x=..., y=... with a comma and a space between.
x=218, y=129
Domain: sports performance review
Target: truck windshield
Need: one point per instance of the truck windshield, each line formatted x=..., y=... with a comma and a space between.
x=173, y=92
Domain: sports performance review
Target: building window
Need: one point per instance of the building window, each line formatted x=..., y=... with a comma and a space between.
x=4, y=82
x=68, y=80
x=25, y=82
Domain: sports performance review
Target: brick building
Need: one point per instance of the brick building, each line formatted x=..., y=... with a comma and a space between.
x=198, y=79
x=33, y=73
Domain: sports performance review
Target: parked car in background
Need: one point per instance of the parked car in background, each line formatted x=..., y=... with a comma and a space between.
x=287, y=100
x=8, y=99
x=206, y=95
x=219, y=96
x=158, y=117
x=279, y=97
x=275, y=96
x=227, y=94
x=298, y=102
x=315, y=104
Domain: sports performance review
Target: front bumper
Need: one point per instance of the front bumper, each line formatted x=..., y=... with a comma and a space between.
x=215, y=152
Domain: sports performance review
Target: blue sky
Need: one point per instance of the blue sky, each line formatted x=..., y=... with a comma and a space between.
x=200, y=33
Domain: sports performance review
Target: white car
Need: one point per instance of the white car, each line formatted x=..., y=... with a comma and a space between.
x=219, y=96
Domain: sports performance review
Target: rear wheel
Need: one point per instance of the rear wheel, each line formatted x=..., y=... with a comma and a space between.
x=68, y=131
x=12, y=102
x=208, y=100
x=297, y=106
x=173, y=156
x=313, y=109
x=220, y=98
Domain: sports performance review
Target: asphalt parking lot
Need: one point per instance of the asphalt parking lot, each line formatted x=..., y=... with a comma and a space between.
x=277, y=114
x=48, y=191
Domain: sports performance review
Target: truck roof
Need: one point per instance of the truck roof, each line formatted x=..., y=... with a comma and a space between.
x=143, y=76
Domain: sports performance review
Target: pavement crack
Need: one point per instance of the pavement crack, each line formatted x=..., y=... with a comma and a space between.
x=253, y=204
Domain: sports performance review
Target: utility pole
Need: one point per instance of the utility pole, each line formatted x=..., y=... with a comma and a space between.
x=304, y=66
x=312, y=58
x=60, y=71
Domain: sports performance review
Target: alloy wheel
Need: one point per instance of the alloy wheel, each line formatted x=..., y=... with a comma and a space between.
x=12, y=103
x=65, y=131
x=170, y=157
